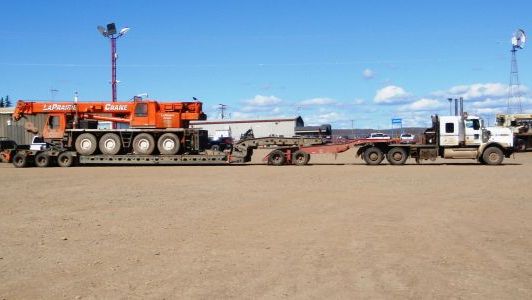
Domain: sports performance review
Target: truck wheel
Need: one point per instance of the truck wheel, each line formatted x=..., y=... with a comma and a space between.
x=493, y=156
x=42, y=160
x=276, y=158
x=20, y=160
x=110, y=144
x=65, y=160
x=86, y=144
x=397, y=156
x=300, y=158
x=373, y=156
x=168, y=144
x=144, y=144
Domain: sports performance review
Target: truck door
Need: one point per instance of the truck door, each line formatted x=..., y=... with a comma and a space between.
x=473, y=132
x=54, y=127
x=140, y=117
x=449, y=132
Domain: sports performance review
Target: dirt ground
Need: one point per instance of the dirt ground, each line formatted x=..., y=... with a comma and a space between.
x=334, y=229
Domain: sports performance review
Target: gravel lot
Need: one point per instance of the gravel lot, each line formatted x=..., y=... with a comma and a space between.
x=334, y=229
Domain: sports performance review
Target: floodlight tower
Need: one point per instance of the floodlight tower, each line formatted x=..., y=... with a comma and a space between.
x=514, y=93
x=110, y=32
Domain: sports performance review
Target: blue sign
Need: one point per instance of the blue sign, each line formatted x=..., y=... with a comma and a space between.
x=397, y=121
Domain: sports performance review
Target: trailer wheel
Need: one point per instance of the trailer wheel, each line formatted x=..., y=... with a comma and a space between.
x=373, y=156
x=20, y=160
x=65, y=160
x=300, y=158
x=168, y=144
x=42, y=160
x=144, y=144
x=86, y=144
x=397, y=156
x=493, y=156
x=276, y=158
x=110, y=144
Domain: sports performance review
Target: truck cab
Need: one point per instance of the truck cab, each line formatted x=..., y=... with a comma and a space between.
x=460, y=131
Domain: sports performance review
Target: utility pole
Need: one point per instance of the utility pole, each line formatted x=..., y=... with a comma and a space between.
x=353, y=128
x=222, y=108
x=53, y=93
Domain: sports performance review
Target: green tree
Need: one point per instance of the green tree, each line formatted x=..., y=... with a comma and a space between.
x=7, y=102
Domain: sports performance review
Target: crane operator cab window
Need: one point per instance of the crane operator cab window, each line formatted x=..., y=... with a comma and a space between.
x=141, y=110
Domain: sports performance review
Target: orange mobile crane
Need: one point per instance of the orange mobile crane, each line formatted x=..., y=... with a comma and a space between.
x=154, y=127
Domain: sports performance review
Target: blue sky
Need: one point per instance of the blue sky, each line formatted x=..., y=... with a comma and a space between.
x=329, y=61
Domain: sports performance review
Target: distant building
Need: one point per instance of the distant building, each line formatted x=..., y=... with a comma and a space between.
x=261, y=127
x=16, y=130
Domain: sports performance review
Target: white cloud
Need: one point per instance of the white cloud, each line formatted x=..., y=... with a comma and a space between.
x=324, y=118
x=368, y=73
x=358, y=101
x=317, y=101
x=478, y=91
x=423, y=104
x=260, y=100
x=392, y=95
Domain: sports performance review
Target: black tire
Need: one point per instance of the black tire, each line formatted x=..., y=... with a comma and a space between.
x=276, y=158
x=20, y=160
x=397, y=156
x=215, y=148
x=373, y=156
x=110, y=144
x=481, y=160
x=300, y=158
x=493, y=156
x=42, y=160
x=168, y=144
x=86, y=144
x=65, y=160
x=144, y=144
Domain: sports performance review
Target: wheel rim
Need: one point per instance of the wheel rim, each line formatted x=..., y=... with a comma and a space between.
x=373, y=156
x=85, y=144
x=397, y=156
x=300, y=158
x=144, y=144
x=110, y=144
x=19, y=160
x=41, y=160
x=64, y=159
x=277, y=158
x=168, y=144
x=493, y=156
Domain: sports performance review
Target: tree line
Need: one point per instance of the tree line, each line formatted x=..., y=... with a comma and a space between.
x=5, y=102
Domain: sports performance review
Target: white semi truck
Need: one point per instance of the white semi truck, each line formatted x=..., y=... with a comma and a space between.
x=450, y=137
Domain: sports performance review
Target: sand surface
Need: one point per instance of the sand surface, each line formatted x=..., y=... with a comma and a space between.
x=334, y=229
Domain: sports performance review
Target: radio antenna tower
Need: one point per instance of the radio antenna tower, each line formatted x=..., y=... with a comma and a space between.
x=222, y=108
x=514, y=90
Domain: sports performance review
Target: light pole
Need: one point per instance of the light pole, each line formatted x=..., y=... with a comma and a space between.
x=111, y=33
